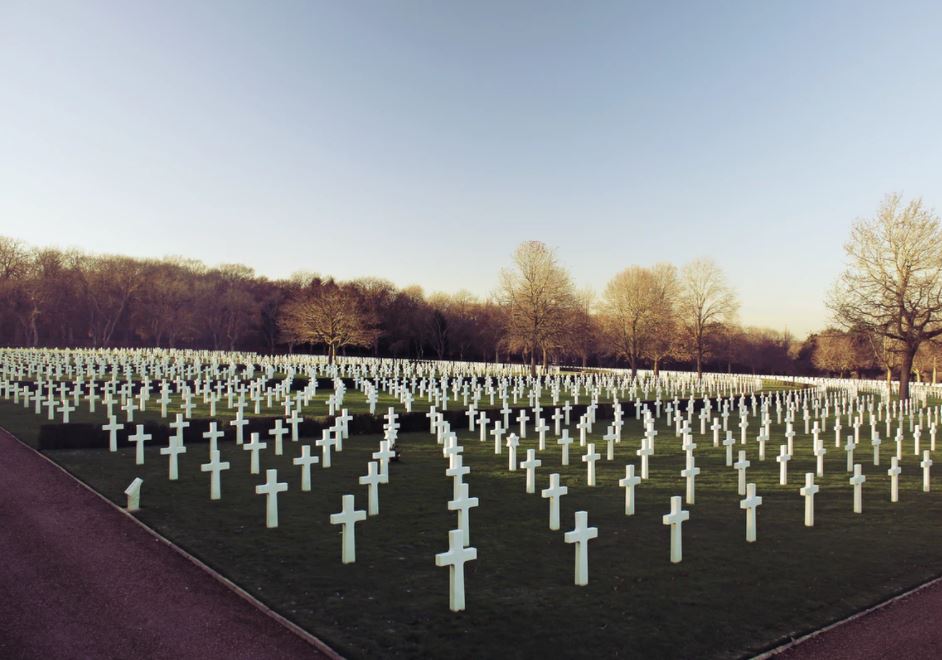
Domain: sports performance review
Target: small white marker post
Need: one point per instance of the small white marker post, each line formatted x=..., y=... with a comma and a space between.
x=134, y=494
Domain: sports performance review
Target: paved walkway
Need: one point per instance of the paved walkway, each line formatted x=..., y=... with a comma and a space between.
x=79, y=579
x=905, y=628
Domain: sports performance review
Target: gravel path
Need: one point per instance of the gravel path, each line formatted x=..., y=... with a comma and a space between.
x=79, y=579
x=908, y=627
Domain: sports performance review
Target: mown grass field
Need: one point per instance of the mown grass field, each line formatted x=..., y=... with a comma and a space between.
x=726, y=599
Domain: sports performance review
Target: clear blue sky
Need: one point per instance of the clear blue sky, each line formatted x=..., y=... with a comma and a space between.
x=421, y=141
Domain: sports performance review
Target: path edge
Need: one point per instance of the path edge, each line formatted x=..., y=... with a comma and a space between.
x=311, y=639
x=781, y=648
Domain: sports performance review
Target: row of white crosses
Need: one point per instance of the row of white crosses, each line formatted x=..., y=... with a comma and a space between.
x=581, y=534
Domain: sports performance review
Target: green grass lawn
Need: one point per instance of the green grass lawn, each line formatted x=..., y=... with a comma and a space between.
x=726, y=599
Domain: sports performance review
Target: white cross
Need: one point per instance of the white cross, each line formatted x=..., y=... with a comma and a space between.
x=139, y=438
x=253, y=447
x=894, y=473
x=557, y=419
x=213, y=436
x=553, y=493
x=522, y=418
x=808, y=492
x=455, y=560
x=728, y=443
x=305, y=460
x=925, y=465
x=112, y=427
x=645, y=453
x=348, y=518
x=498, y=433
x=178, y=425
x=65, y=409
x=214, y=467
x=565, y=441
x=581, y=536
x=278, y=433
x=325, y=443
x=129, y=408
x=857, y=481
x=610, y=438
x=849, y=448
x=675, y=519
x=173, y=449
x=530, y=465
x=541, y=428
x=589, y=458
x=463, y=505
x=372, y=479
x=741, y=466
x=750, y=504
x=482, y=423
x=270, y=490
x=782, y=459
x=690, y=474
x=629, y=483
x=512, y=443
x=239, y=422
x=583, y=427
x=383, y=456
x=345, y=417
x=456, y=471
x=294, y=421
x=819, y=457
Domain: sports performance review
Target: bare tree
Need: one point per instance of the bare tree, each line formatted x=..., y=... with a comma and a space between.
x=836, y=352
x=328, y=315
x=706, y=302
x=627, y=306
x=892, y=285
x=662, y=339
x=537, y=293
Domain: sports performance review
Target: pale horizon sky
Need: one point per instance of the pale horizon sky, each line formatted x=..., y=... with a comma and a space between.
x=421, y=141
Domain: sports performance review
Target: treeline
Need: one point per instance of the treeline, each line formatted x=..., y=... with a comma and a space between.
x=51, y=297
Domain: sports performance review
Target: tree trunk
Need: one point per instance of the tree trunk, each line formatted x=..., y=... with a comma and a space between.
x=906, y=368
x=533, y=362
x=700, y=357
x=657, y=367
